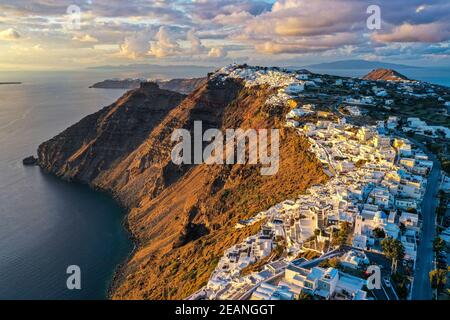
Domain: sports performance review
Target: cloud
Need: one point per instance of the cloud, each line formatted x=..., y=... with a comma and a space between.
x=161, y=10
x=217, y=53
x=420, y=8
x=265, y=30
x=135, y=46
x=9, y=35
x=167, y=43
x=196, y=44
x=301, y=18
x=308, y=44
x=85, y=38
x=297, y=27
x=164, y=44
x=301, y=27
x=233, y=18
x=428, y=33
x=208, y=10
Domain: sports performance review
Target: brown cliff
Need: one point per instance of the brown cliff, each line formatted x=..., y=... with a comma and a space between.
x=182, y=217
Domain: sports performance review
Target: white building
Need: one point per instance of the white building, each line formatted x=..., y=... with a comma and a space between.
x=294, y=88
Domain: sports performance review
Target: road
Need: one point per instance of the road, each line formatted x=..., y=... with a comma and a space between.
x=421, y=289
x=385, y=292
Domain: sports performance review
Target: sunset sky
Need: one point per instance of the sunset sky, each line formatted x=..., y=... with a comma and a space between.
x=40, y=35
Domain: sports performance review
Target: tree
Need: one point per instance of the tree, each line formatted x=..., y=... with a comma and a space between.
x=438, y=245
x=438, y=279
x=340, y=237
x=304, y=296
x=400, y=282
x=378, y=233
x=335, y=263
x=327, y=263
x=394, y=250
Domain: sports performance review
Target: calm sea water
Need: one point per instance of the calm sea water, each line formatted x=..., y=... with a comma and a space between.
x=47, y=224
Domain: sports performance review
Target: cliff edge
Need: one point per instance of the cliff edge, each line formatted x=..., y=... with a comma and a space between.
x=182, y=216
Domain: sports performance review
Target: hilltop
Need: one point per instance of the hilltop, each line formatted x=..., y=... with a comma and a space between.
x=384, y=74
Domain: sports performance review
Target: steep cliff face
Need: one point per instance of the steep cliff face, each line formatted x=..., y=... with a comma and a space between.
x=182, y=217
x=104, y=138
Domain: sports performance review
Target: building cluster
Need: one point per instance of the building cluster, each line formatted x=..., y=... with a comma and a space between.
x=353, y=111
x=321, y=283
x=289, y=83
x=377, y=182
x=418, y=126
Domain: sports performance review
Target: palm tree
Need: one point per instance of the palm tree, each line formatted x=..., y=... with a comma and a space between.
x=438, y=279
x=394, y=250
x=438, y=245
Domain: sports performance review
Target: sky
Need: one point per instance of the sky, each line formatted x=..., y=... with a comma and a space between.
x=76, y=34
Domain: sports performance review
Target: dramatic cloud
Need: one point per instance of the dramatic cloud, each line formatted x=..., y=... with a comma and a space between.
x=164, y=44
x=199, y=31
x=430, y=32
x=301, y=27
x=135, y=46
x=296, y=26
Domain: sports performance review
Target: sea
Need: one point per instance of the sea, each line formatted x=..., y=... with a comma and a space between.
x=47, y=225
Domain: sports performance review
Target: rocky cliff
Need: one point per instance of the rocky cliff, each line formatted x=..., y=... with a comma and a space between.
x=182, y=217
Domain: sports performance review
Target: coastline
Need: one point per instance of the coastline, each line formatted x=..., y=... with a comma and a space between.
x=117, y=272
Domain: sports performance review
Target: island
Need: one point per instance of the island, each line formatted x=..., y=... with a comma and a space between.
x=184, y=86
x=118, y=84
